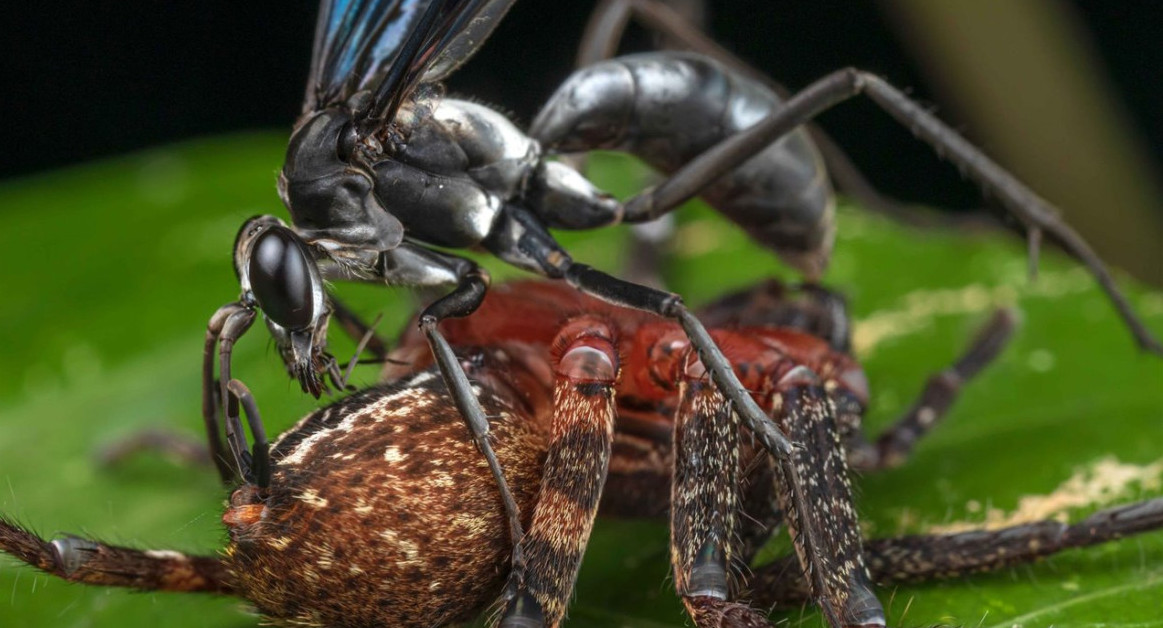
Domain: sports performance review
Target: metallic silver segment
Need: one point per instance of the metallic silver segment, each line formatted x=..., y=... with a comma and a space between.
x=564, y=199
x=499, y=156
x=667, y=108
x=73, y=552
x=445, y=210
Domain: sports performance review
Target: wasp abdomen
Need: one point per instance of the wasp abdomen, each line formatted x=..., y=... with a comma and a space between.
x=667, y=108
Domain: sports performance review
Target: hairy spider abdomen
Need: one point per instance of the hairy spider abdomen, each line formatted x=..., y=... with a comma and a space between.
x=382, y=513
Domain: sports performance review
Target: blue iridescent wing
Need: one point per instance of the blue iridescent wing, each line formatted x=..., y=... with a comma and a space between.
x=462, y=39
x=390, y=46
x=351, y=36
x=444, y=37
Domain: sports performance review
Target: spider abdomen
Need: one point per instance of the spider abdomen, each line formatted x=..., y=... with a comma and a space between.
x=382, y=512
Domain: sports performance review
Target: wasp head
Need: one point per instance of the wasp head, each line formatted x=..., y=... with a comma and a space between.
x=279, y=275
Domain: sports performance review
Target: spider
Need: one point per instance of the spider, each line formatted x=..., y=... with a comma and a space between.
x=380, y=169
x=377, y=510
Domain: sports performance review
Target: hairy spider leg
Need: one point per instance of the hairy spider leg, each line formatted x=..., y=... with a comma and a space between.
x=943, y=556
x=85, y=561
x=585, y=369
x=705, y=506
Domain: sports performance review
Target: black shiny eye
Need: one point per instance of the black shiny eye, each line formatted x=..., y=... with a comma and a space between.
x=348, y=138
x=280, y=277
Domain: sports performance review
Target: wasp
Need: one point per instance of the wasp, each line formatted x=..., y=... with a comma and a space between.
x=383, y=176
x=378, y=509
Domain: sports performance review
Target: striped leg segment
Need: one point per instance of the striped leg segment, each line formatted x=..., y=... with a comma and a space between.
x=705, y=502
x=585, y=370
x=825, y=532
x=896, y=443
x=90, y=562
x=929, y=557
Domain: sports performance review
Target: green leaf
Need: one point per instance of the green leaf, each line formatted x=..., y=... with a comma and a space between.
x=112, y=269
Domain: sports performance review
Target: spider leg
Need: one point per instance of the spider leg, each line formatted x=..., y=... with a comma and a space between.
x=184, y=448
x=809, y=308
x=705, y=501
x=91, y=562
x=896, y=443
x=607, y=25
x=937, y=556
x=1039, y=217
x=585, y=370
x=815, y=494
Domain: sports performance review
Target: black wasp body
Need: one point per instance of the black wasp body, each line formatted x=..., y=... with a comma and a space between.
x=380, y=168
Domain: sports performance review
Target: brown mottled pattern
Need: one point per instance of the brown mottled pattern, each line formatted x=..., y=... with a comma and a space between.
x=383, y=513
x=827, y=535
x=92, y=562
x=705, y=492
x=575, y=471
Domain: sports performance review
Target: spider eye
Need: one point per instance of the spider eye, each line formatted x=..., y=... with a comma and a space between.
x=346, y=142
x=280, y=277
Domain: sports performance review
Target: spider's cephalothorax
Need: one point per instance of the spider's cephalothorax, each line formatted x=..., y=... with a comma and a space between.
x=378, y=509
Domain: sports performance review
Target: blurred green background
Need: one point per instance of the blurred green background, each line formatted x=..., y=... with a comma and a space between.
x=112, y=268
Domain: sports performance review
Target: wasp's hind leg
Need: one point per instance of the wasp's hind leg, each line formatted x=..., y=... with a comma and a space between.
x=1039, y=218
x=606, y=28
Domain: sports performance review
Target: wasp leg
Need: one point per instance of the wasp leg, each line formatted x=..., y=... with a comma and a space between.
x=460, y=302
x=91, y=562
x=418, y=267
x=600, y=41
x=519, y=239
x=585, y=370
x=937, y=556
x=226, y=326
x=1039, y=217
x=252, y=466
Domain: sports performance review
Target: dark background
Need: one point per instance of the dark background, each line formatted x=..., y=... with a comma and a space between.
x=85, y=80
